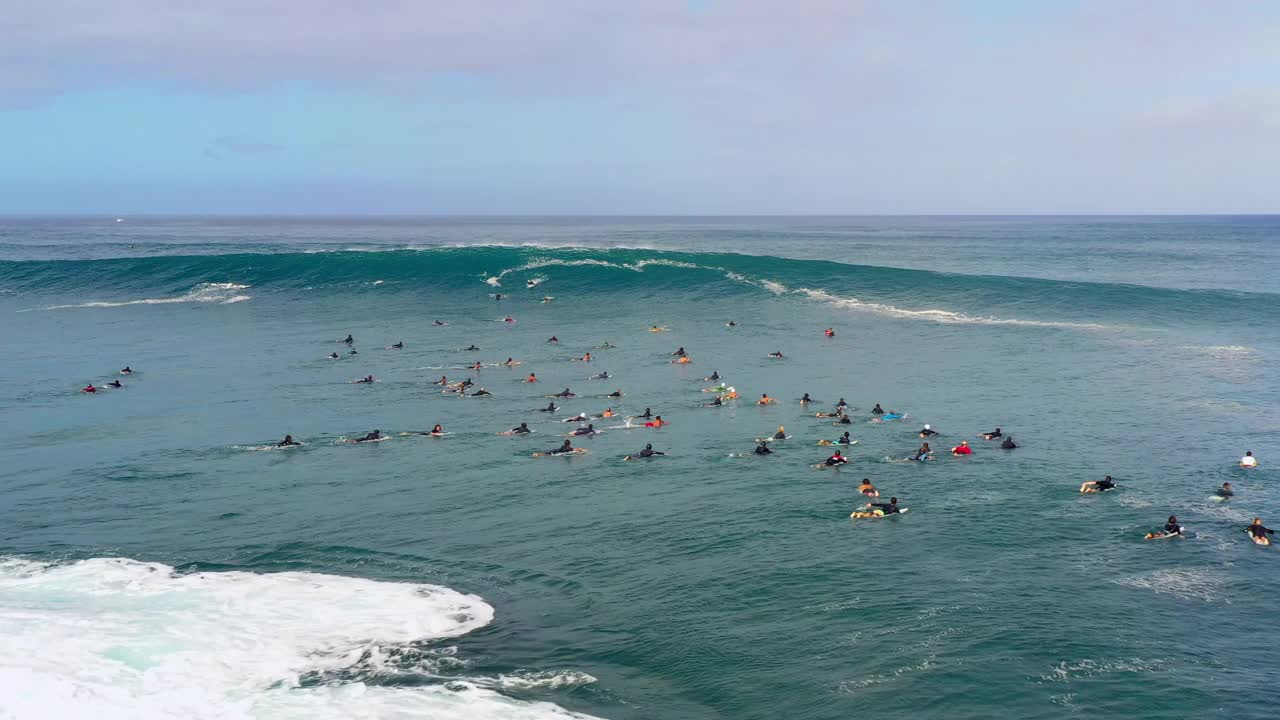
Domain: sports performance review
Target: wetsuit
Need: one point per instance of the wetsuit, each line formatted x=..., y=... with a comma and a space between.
x=551, y=407
x=398, y=345
x=716, y=403
x=1258, y=531
x=835, y=460
x=993, y=434
x=480, y=392
x=375, y=435
x=1224, y=492
x=1008, y=444
x=565, y=448
x=565, y=394
x=779, y=435
x=1172, y=529
x=877, y=410
x=648, y=451
x=115, y=384
x=287, y=442
x=524, y=428
x=1104, y=485
x=886, y=508
x=806, y=398
x=961, y=450
x=714, y=376
x=921, y=455
x=616, y=393
x=588, y=430
x=845, y=439
x=763, y=449
x=928, y=432
x=844, y=420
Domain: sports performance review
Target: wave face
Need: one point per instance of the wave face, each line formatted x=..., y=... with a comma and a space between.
x=118, y=638
x=587, y=274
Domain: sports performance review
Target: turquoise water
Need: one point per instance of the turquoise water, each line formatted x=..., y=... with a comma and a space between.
x=696, y=585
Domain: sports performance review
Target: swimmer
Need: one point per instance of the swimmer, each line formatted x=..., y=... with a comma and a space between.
x=1259, y=532
x=333, y=356
x=765, y=399
x=127, y=370
x=550, y=408
x=781, y=434
x=1008, y=443
x=830, y=333
x=835, y=459
x=349, y=340
x=288, y=441
x=878, y=509
x=763, y=449
x=923, y=454
x=397, y=346
x=992, y=435
x=1097, y=486
x=647, y=452
x=89, y=389
x=775, y=355
x=1225, y=491
x=1248, y=461
x=553, y=340
x=877, y=410
x=364, y=380
x=656, y=422
x=375, y=435
x=866, y=488
x=566, y=393
x=481, y=393
x=115, y=384
x=1170, y=528
x=806, y=399
x=532, y=378
x=588, y=430
x=615, y=394
x=928, y=432
x=962, y=449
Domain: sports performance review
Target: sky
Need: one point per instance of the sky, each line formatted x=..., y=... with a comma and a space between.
x=639, y=107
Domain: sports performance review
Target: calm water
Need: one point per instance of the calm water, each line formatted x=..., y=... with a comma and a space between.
x=459, y=577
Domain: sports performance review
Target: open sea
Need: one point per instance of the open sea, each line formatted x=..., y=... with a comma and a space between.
x=159, y=558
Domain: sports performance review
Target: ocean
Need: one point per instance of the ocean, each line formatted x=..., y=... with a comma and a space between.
x=159, y=557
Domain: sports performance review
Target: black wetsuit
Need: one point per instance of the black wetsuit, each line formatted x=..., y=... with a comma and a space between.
x=1008, y=444
x=616, y=393
x=551, y=407
x=921, y=454
x=287, y=443
x=1258, y=531
x=833, y=461
x=927, y=432
x=524, y=428
x=1172, y=529
x=648, y=452
x=714, y=376
x=1224, y=492
x=806, y=398
x=845, y=439
x=844, y=420
x=115, y=384
x=763, y=449
x=565, y=448
x=480, y=392
x=779, y=435
x=1104, y=485
x=370, y=436
x=588, y=430
x=716, y=403
x=993, y=435
x=877, y=410
x=888, y=508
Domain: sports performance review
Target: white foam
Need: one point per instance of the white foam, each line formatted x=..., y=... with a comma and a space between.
x=221, y=293
x=938, y=316
x=115, y=638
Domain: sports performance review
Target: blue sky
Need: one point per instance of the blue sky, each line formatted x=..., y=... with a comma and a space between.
x=667, y=106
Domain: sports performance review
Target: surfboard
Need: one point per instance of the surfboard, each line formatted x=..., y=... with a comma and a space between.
x=773, y=439
x=1263, y=540
x=901, y=511
x=1162, y=535
x=574, y=451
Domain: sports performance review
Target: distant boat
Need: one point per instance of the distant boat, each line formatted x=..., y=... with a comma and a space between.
x=119, y=219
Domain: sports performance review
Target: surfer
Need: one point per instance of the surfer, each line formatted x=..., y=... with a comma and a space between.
x=1259, y=532
x=522, y=429
x=333, y=356
x=439, y=323
x=845, y=439
x=590, y=429
x=437, y=430
x=375, y=435
x=866, y=488
x=806, y=399
x=1248, y=461
x=615, y=394
x=481, y=393
x=878, y=509
x=835, y=459
x=442, y=381
x=775, y=355
x=731, y=324
x=127, y=370
x=841, y=405
x=497, y=296
x=647, y=452
x=765, y=399
x=510, y=362
x=646, y=415
x=349, y=340
x=1096, y=486
x=923, y=453
x=877, y=410
x=679, y=352
x=717, y=402
x=364, y=380
x=352, y=352
x=781, y=434
x=928, y=432
x=844, y=420
x=830, y=333
x=398, y=346
x=601, y=376
x=1170, y=528
x=608, y=413
x=606, y=346
x=565, y=447
x=763, y=449
x=1225, y=491
x=656, y=422
x=584, y=358
x=533, y=378
x=553, y=340
x=115, y=384
x=962, y=449
x=566, y=393
x=714, y=376
x=1008, y=443
x=579, y=418
x=288, y=441
x=992, y=435
x=89, y=388
x=550, y=408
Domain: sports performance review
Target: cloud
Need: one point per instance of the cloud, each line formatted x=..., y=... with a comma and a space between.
x=237, y=145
